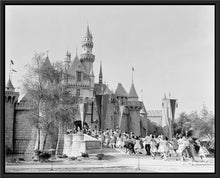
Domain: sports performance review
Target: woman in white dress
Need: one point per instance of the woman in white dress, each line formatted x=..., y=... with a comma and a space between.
x=153, y=147
x=137, y=146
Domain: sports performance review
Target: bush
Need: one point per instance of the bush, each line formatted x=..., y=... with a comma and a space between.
x=63, y=156
x=42, y=155
x=85, y=155
x=100, y=156
x=73, y=158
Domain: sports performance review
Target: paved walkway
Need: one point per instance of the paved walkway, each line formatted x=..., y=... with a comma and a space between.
x=114, y=161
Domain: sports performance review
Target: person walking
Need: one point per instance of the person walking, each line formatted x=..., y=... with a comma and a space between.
x=147, y=141
x=153, y=146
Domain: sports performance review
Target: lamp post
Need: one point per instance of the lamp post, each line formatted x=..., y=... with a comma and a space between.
x=138, y=166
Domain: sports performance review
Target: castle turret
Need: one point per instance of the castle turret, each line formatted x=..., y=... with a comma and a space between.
x=11, y=97
x=132, y=96
x=134, y=106
x=87, y=58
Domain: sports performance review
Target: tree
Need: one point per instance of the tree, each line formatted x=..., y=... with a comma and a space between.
x=202, y=124
x=33, y=85
x=54, y=105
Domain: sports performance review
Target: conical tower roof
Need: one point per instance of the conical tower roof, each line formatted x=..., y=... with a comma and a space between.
x=132, y=92
x=120, y=91
x=88, y=33
x=47, y=62
x=9, y=85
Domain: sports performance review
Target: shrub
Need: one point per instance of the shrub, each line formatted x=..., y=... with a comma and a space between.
x=85, y=155
x=42, y=155
x=100, y=156
x=73, y=158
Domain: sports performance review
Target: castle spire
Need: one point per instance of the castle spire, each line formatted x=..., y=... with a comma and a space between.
x=100, y=74
x=9, y=86
x=88, y=33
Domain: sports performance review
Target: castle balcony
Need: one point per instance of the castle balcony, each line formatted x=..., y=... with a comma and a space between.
x=133, y=105
x=87, y=57
x=87, y=43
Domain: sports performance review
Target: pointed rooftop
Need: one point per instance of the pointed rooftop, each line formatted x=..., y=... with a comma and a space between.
x=132, y=92
x=46, y=63
x=76, y=65
x=107, y=91
x=9, y=86
x=120, y=91
x=88, y=33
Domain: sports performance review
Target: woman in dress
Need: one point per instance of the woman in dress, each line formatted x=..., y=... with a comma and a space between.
x=137, y=146
x=153, y=146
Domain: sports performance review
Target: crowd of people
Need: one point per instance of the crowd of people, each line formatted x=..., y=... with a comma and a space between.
x=181, y=147
x=158, y=146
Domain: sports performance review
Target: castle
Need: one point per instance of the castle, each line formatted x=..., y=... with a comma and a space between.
x=104, y=108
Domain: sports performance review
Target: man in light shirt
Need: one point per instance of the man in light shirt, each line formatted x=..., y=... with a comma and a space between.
x=147, y=141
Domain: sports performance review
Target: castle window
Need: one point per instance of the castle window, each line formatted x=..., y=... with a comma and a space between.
x=77, y=92
x=78, y=75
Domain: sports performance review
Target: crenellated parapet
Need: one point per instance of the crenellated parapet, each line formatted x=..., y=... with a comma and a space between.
x=11, y=96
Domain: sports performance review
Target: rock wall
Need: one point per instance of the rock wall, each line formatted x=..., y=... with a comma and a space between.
x=9, y=123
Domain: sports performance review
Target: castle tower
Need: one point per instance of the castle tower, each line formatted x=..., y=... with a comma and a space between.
x=134, y=107
x=92, y=79
x=100, y=75
x=168, y=115
x=87, y=58
x=11, y=97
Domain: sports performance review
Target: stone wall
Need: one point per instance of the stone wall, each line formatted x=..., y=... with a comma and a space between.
x=23, y=132
x=134, y=123
x=9, y=122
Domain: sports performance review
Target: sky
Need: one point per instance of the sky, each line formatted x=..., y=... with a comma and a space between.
x=171, y=48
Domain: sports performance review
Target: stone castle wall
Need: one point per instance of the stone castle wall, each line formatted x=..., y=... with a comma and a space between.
x=23, y=131
x=9, y=123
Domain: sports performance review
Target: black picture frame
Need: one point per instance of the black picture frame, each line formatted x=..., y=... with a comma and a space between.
x=216, y=3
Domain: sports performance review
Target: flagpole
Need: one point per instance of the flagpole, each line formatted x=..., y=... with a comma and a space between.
x=132, y=74
x=10, y=71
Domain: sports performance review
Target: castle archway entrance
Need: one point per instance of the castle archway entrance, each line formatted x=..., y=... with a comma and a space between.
x=79, y=124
